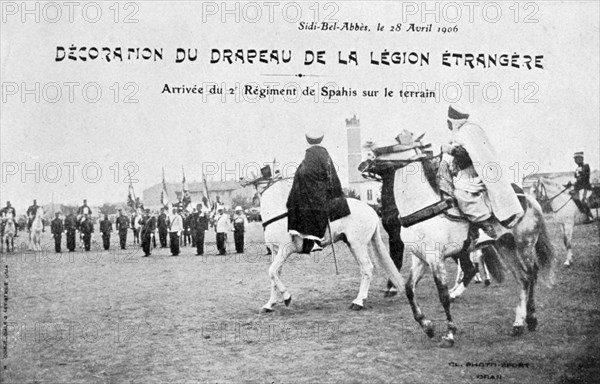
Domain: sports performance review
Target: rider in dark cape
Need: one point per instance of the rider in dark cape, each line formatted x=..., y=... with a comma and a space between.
x=315, y=189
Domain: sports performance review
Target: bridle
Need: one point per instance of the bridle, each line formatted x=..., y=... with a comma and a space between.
x=261, y=185
x=541, y=195
x=370, y=169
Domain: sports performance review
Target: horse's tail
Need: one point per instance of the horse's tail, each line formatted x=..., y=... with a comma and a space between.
x=385, y=260
x=546, y=256
x=491, y=259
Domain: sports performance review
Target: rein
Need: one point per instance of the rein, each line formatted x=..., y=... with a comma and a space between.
x=542, y=197
x=269, y=183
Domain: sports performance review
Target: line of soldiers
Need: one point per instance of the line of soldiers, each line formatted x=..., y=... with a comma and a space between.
x=170, y=226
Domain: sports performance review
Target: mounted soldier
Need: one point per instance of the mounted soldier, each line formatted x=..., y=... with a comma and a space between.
x=581, y=186
x=31, y=212
x=9, y=210
x=83, y=210
x=481, y=201
x=316, y=196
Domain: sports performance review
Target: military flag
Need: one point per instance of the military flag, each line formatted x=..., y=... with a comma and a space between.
x=186, y=199
x=164, y=195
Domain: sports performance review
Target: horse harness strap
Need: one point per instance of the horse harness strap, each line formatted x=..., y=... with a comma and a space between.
x=555, y=196
x=562, y=206
x=548, y=200
x=274, y=219
x=427, y=213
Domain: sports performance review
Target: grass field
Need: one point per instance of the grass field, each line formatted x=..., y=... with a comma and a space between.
x=113, y=317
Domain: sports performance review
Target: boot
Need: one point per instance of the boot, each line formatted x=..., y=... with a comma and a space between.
x=486, y=234
x=316, y=246
x=309, y=245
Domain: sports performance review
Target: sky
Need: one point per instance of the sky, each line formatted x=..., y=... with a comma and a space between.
x=70, y=150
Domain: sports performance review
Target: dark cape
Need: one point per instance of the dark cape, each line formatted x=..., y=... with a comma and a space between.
x=316, y=196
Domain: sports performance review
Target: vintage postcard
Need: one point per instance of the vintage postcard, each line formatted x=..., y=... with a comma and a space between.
x=300, y=191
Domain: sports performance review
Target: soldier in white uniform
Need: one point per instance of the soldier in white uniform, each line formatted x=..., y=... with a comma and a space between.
x=482, y=202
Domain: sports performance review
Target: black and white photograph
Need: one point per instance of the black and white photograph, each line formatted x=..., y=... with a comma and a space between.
x=300, y=191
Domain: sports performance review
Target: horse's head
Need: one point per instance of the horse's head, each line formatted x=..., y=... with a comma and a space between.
x=401, y=152
x=271, y=193
x=542, y=189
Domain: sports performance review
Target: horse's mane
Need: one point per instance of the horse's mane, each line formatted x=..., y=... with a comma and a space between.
x=430, y=168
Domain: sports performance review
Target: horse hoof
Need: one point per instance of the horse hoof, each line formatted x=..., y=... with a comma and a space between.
x=288, y=301
x=429, y=330
x=446, y=343
x=452, y=299
x=518, y=330
x=266, y=310
x=487, y=283
x=531, y=324
x=356, y=307
x=567, y=264
x=390, y=293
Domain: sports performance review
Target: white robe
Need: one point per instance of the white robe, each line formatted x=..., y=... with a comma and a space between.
x=503, y=200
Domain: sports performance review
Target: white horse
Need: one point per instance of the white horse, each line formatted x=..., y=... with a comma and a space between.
x=555, y=199
x=357, y=230
x=525, y=249
x=8, y=233
x=35, y=232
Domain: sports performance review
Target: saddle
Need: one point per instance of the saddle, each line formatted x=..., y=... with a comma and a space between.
x=456, y=214
x=387, y=159
x=581, y=205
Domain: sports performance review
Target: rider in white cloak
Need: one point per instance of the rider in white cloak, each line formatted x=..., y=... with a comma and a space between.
x=482, y=201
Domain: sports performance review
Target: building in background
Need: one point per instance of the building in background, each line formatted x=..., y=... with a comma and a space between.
x=369, y=190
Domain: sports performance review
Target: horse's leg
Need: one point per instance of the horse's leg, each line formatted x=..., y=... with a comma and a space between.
x=478, y=269
x=486, y=273
x=36, y=242
x=277, y=287
x=531, y=318
x=567, y=230
x=361, y=254
x=439, y=276
x=393, y=227
x=526, y=254
x=416, y=273
x=459, y=276
x=274, y=293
